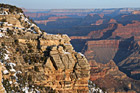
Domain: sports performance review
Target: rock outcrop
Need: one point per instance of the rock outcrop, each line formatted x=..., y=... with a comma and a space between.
x=109, y=78
x=34, y=61
x=2, y=89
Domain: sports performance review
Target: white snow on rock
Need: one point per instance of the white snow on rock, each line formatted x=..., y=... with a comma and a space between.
x=5, y=72
x=4, y=13
x=19, y=72
x=6, y=57
x=10, y=82
x=37, y=91
x=12, y=64
x=25, y=89
x=93, y=88
x=66, y=52
x=2, y=34
x=80, y=53
x=20, y=13
x=26, y=19
x=33, y=25
x=67, y=44
x=9, y=24
x=12, y=70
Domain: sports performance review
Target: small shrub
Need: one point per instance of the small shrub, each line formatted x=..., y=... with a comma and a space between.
x=16, y=42
x=7, y=85
x=3, y=20
x=10, y=32
x=30, y=51
x=2, y=44
x=29, y=45
x=30, y=78
x=26, y=58
x=36, y=69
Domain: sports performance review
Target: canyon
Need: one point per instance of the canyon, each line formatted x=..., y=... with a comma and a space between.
x=109, y=38
x=33, y=61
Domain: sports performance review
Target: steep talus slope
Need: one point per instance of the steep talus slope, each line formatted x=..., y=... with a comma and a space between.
x=34, y=61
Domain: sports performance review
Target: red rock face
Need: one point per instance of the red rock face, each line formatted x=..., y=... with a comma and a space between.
x=103, y=44
x=101, y=50
x=112, y=21
x=55, y=18
x=135, y=72
x=98, y=34
x=127, y=31
x=98, y=22
x=108, y=77
x=95, y=34
x=43, y=21
x=93, y=19
x=80, y=37
x=136, y=12
x=101, y=70
x=50, y=19
x=92, y=14
x=121, y=31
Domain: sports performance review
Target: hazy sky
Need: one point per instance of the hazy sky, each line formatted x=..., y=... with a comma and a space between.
x=68, y=4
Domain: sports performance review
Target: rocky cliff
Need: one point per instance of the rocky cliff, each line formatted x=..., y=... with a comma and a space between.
x=36, y=62
x=108, y=77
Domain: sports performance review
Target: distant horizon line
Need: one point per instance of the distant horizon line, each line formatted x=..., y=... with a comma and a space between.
x=73, y=8
x=83, y=8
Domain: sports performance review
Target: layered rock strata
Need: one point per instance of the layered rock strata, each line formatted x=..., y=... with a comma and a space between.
x=34, y=61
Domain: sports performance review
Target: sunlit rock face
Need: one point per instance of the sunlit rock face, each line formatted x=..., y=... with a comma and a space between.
x=36, y=62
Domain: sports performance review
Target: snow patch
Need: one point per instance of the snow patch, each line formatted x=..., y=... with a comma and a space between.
x=10, y=82
x=12, y=64
x=80, y=53
x=94, y=89
x=12, y=70
x=67, y=44
x=66, y=52
x=1, y=35
x=5, y=72
x=6, y=57
x=20, y=13
x=4, y=13
x=9, y=24
x=37, y=91
x=19, y=72
x=25, y=89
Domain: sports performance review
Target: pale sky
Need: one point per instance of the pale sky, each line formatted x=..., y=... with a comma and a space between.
x=73, y=4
